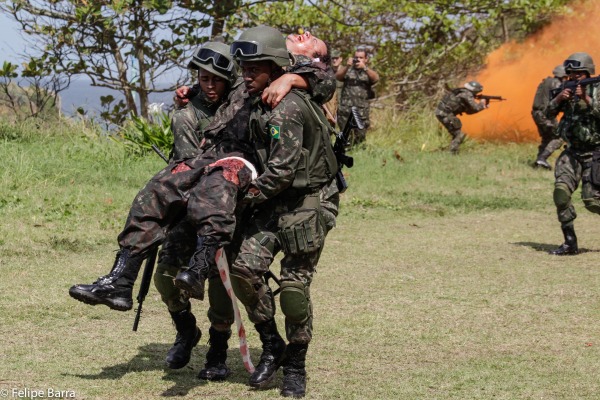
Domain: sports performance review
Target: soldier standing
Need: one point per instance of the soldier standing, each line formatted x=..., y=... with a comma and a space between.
x=579, y=161
x=357, y=90
x=547, y=127
x=456, y=102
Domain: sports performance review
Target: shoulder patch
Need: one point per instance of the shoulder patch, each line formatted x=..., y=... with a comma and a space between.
x=274, y=131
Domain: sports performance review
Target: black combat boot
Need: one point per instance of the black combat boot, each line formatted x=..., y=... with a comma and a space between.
x=541, y=161
x=272, y=355
x=215, y=368
x=294, y=371
x=114, y=289
x=188, y=336
x=569, y=247
x=192, y=279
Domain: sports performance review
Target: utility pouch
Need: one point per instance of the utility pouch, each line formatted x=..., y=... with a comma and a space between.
x=301, y=178
x=595, y=169
x=301, y=231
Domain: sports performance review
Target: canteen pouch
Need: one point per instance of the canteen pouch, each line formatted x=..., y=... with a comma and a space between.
x=301, y=231
x=595, y=169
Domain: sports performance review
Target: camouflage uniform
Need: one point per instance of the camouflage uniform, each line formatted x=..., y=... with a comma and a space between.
x=357, y=91
x=456, y=102
x=295, y=139
x=551, y=141
x=580, y=129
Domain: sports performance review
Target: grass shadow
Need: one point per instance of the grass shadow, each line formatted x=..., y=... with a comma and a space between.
x=545, y=247
x=150, y=357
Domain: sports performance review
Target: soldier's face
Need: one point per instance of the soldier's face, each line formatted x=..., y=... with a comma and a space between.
x=256, y=74
x=306, y=45
x=212, y=85
x=361, y=56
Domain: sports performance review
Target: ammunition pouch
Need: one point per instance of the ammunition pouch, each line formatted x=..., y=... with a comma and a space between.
x=595, y=169
x=302, y=231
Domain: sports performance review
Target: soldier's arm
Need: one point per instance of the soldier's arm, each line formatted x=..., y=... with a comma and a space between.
x=186, y=138
x=472, y=106
x=285, y=128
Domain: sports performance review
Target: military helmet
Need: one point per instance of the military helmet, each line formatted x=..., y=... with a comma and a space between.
x=336, y=53
x=580, y=62
x=259, y=44
x=214, y=57
x=559, y=71
x=473, y=86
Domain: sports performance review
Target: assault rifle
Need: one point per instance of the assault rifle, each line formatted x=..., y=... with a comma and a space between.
x=573, y=85
x=148, y=268
x=145, y=285
x=489, y=98
x=339, y=148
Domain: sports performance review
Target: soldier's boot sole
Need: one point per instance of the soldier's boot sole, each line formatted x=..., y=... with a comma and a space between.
x=188, y=283
x=114, y=303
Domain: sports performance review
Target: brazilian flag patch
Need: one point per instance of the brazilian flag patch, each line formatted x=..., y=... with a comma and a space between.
x=274, y=131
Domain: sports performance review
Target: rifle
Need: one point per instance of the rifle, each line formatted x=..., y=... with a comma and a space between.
x=145, y=285
x=339, y=148
x=148, y=268
x=489, y=98
x=573, y=85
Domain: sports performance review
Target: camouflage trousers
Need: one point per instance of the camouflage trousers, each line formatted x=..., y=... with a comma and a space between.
x=203, y=190
x=453, y=125
x=571, y=168
x=261, y=243
x=358, y=135
x=547, y=130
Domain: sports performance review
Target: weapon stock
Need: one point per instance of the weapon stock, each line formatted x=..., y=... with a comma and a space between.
x=489, y=98
x=572, y=85
x=339, y=148
x=160, y=153
x=145, y=285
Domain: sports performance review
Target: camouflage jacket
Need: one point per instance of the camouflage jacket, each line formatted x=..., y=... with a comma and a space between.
x=187, y=125
x=297, y=149
x=580, y=124
x=459, y=101
x=542, y=94
x=357, y=89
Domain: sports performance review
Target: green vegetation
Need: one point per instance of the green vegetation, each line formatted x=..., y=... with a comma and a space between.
x=434, y=285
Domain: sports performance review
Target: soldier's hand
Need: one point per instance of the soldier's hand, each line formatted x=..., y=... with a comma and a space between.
x=277, y=90
x=350, y=61
x=181, y=96
x=564, y=95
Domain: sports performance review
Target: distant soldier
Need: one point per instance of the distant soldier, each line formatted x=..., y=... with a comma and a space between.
x=580, y=160
x=547, y=127
x=456, y=102
x=358, y=81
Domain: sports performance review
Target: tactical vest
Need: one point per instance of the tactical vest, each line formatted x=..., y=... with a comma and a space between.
x=451, y=103
x=578, y=127
x=317, y=165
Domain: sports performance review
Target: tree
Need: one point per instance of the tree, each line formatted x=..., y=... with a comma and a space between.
x=418, y=45
x=124, y=45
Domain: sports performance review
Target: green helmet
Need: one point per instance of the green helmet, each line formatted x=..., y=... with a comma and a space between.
x=261, y=43
x=580, y=62
x=473, y=86
x=559, y=71
x=214, y=57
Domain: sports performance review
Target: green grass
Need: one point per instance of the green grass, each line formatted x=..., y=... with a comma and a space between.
x=434, y=285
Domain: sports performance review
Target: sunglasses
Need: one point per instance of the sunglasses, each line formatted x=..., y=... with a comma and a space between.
x=218, y=60
x=249, y=49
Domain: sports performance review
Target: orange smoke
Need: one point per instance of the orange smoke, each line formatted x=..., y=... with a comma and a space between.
x=516, y=69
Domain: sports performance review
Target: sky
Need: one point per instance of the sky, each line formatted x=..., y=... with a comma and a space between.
x=11, y=42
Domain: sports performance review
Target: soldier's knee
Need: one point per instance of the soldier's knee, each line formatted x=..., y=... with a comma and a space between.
x=562, y=196
x=592, y=205
x=244, y=288
x=295, y=301
x=169, y=294
x=221, y=309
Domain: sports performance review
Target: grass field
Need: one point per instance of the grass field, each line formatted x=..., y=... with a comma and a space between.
x=435, y=284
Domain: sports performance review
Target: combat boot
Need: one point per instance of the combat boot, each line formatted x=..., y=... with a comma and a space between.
x=541, y=161
x=193, y=278
x=294, y=371
x=569, y=247
x=114, y=289
x=272, y=355
x=188, y=336
x=215, y=368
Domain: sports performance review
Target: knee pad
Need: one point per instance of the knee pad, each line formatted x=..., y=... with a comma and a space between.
x=244, y=289
x=562, y=196
x=592, y=205
x=220, y=308
x=295, y=301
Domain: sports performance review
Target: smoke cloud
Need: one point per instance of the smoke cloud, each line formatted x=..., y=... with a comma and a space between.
x=516, y=69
